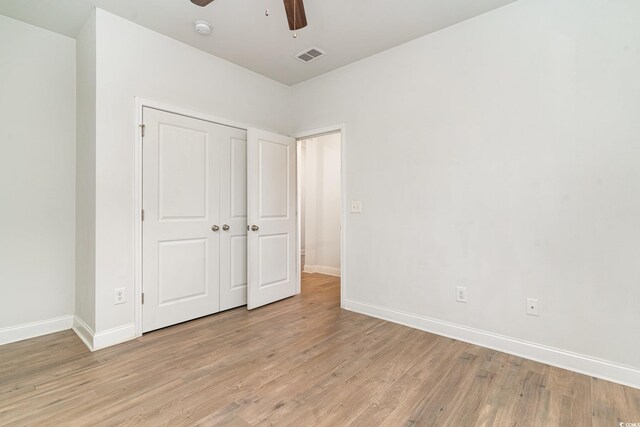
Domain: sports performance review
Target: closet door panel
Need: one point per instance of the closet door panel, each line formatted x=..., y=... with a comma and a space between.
x=272, y=241
x=180, y=253
x=233, y=215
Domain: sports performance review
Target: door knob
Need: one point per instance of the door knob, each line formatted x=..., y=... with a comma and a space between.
x=215, y=228
x=225, y=227
x=255, y=228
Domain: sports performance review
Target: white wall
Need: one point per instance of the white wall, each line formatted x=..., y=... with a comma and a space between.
x=134, y=61
x=86, y=172
x=321, y=190
x=500, y=154
x=37, y=179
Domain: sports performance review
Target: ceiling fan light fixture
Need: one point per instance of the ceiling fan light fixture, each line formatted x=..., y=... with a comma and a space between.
x=202, y=27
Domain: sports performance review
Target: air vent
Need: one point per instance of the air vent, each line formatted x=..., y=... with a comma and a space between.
x=310, y=54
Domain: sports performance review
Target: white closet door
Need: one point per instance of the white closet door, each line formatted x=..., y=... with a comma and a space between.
x=272, y=241
x=233, y=217
x=181, y=260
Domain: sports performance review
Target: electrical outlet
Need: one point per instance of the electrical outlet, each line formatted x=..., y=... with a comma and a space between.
x=119, y=296
x=356, y=206
x=532, y=307
x=461, y=294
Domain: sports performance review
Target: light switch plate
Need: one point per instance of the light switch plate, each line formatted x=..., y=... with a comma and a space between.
x=356, y=206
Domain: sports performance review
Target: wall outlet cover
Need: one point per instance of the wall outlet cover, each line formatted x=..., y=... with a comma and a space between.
x=461, y=294
x=356, y=206
x=533, y=307
x=119, y=296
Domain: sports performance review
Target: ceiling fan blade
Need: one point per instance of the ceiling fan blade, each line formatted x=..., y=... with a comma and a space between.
x=295, y=14
x=201, y=3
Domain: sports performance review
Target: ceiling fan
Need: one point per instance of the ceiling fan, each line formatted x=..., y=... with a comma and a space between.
x=294, y=8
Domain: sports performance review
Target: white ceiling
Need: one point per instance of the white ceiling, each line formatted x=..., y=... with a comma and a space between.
x=348, y=30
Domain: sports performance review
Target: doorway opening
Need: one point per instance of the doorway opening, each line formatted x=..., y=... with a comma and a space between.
x=320, y=208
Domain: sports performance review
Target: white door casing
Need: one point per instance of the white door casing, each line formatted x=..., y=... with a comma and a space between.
x=271, y=202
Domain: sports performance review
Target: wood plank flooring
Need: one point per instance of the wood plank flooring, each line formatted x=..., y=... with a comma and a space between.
x=299, y=362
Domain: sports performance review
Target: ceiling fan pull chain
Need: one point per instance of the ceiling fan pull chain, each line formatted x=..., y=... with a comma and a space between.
x=295, y=35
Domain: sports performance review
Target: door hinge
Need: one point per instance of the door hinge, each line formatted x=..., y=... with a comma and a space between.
x=142, y=214
x=143, y=297
x=142, y=130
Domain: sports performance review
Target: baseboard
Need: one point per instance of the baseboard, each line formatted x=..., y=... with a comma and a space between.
x=551, y=356
x=322, y=269
x=35, y=329
x=114, y=336
x=83, y=331
x=97, y=341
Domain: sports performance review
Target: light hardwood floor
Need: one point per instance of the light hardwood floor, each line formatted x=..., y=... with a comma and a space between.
x=299, y=362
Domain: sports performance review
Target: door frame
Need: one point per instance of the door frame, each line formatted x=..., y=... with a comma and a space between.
x=300, y=136
x=141, y=103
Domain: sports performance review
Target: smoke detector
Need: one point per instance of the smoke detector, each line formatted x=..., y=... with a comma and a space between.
x=202, y=27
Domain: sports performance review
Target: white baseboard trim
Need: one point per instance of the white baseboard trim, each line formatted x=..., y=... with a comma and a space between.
x=322, y=269
x=551, y=356
x=114, y=336
x=97, y=341
x=83, y=331
x=35, y=329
